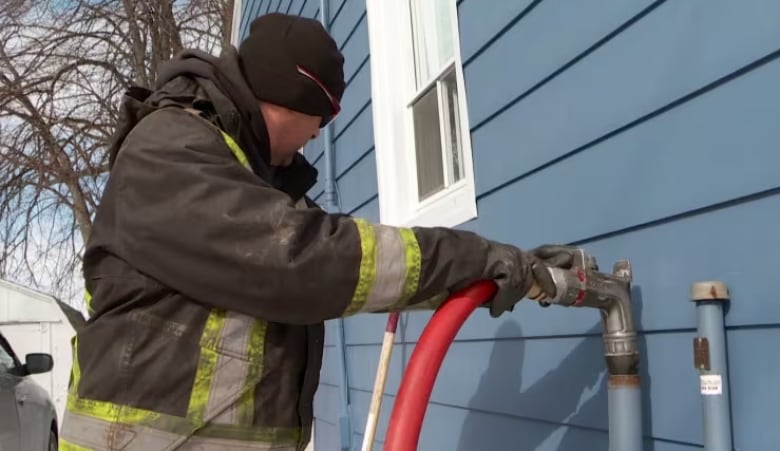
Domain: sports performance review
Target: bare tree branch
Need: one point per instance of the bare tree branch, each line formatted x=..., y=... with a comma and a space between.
x=64, y=65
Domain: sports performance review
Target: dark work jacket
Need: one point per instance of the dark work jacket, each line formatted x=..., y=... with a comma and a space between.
x=210, y=276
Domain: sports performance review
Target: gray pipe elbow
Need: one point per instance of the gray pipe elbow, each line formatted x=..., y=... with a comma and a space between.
x=584, y=286
x=611, y=294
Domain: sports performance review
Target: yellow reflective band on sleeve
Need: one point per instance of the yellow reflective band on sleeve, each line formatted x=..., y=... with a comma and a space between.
x=367, y=266
x=246, y=403
x=390, y=270
x=413, y=263
x=235, y=149
x=206, y=366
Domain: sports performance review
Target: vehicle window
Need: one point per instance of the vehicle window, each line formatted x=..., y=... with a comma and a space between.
x=7, y=362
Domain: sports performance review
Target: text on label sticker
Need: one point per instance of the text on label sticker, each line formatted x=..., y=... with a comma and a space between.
x=711, y=384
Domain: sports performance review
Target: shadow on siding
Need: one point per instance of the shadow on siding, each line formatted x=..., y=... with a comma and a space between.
x=535, y=418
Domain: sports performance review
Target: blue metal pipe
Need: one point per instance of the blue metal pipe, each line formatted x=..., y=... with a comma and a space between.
x=625, y=413
x=585, y=286
x=711, y=361
x=331, y=205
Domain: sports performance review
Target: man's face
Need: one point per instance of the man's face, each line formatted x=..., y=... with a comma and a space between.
x=288, y=131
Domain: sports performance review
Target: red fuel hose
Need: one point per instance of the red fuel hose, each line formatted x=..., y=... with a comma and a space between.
x=403, y=432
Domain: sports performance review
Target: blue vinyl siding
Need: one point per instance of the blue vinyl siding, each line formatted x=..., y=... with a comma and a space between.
x=637, y=129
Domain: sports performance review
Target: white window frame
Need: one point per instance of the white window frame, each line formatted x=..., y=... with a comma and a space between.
x=236, y=25
x=393, y=85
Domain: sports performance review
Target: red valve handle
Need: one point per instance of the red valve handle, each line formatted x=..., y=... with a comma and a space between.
x=403, y=432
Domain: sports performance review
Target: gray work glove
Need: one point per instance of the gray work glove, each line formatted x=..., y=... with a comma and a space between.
x=515, y=272
x=555, y=255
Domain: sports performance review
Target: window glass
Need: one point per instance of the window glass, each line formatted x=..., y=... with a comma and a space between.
x=7, y=363
x=452, y=133
x=432, y=37
x=435, y=108
x=430, y=174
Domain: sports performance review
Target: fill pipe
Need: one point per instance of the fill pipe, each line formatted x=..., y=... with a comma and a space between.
x=710, y=360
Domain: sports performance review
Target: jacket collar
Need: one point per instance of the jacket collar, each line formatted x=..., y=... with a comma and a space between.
x=231, y=101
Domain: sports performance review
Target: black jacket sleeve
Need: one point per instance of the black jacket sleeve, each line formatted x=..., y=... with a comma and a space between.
x=184, y=211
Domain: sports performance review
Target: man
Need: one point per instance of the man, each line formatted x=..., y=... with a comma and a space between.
x=209, y=272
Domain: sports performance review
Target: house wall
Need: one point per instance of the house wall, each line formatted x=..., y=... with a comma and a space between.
x=638, y=129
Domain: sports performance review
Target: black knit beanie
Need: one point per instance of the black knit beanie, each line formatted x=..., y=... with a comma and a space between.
x=293, y=62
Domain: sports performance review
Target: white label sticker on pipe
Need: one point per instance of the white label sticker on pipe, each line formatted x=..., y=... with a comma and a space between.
x=711, y=384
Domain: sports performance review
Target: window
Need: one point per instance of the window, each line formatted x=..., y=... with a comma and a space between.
x=421, y=132
x=7, y=361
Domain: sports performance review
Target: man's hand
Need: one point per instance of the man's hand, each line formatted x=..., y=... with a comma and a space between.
x=520, y=274
x=554, y=256
x=515, y=272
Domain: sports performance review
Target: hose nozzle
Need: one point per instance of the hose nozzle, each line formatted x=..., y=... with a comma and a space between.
x=584, y=286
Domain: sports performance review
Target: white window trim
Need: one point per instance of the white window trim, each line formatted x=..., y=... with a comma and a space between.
x=236, y=25
x=392, y=72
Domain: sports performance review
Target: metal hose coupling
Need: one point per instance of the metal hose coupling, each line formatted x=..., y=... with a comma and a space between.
x=585, y=286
